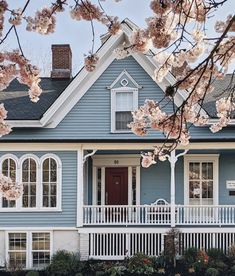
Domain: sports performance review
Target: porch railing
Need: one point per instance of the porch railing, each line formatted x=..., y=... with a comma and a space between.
x=206, y=214
x=127, y=215
x=158, y=215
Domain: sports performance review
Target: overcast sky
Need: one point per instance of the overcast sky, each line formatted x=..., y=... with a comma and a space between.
x=78, y=33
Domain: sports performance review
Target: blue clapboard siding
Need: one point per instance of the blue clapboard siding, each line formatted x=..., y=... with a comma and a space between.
x=90, y=117
x=155, y=183
x=67, y=217
x=155, y=180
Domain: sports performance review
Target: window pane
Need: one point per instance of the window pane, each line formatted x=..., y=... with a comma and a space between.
x=49, y=182
x=17, y=260
x=207, y=189
x=134, y=185
x=207, y=170
x=40, y=249
x=9, y=170
x=122, y=120
x=124, y=101
x=17, y=241
x=194, y=170
x=29, y=178
x=194, y=189
x=98, y=186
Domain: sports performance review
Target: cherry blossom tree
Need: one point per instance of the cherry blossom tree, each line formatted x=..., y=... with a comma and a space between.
x=175, y=35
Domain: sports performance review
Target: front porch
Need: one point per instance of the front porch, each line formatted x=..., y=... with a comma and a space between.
x=192, y=188
x=158, y=215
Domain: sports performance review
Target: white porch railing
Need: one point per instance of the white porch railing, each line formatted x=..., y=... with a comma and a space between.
x=158, y=215
x=206, y=214
x=127, y=215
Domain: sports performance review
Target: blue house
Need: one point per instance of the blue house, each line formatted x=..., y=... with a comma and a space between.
x=84, y=187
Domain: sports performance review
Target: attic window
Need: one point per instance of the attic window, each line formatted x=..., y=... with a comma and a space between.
x=124, y=101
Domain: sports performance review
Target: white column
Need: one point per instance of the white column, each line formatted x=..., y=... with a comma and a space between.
x=172, y=160
x=80, y=195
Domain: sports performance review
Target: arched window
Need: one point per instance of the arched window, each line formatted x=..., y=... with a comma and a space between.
x=49, y=182
x=29, y=180
x=9, y=170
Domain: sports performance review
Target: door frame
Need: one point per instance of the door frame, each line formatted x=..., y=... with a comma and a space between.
x=109, y=161
x=214, y=158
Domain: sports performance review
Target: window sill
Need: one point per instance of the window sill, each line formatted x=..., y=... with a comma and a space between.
x=29, y=210
x=121, y=131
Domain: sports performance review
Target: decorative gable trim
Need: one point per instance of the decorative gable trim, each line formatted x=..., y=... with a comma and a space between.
x=120, y=80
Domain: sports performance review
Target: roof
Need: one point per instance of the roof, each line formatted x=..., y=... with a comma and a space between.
x=60, y=96
x=220, y=90
x=18, y=104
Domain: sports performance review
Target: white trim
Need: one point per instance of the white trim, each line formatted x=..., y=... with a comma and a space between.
x=116, y=160
x=80, y=187
x=39, y=162
x=79, y=86
x=29, y=261
x=123, y=73
x=38, y=228
x=25, y=123
x=123, y=145
x=214, y=158
x=114, y=92
x=108, y=161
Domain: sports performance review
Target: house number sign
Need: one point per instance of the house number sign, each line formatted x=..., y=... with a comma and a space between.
x=116, y=162
x=230, y=184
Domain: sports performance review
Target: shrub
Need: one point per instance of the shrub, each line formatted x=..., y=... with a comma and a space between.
x=215, y=254
x=64, y=263
x=212, y=272
x=231, y=251
x=32, y=273
x=190, y=255
x=140, y=264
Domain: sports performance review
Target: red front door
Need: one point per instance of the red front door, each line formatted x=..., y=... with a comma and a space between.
x=116, y=186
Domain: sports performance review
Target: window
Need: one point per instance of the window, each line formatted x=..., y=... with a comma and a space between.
x=9, y=170
x=124, y=101
x=41, y=179
x=40, y=249
x=29, y=249
x=49, y=176
x=202, y=179
x=17, y=250
x=29, y=180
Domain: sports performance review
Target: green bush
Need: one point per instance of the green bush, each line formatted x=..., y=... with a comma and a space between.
x=190, y=255
x=212, y=272
x=64, y=263
x=32, y=273
x=140, y=264
x=215, y=254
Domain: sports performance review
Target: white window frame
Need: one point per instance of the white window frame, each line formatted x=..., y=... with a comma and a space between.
x=108, y=161
x=59, y=180
x=29, y=234
x=39, y=204
x=38, y=188
x=213, y=158
x=114, y=92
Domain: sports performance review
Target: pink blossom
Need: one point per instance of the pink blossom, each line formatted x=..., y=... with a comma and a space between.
x=147, y=160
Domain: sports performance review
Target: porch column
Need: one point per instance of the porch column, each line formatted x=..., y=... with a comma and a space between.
x=173, y=159
x=80, y=195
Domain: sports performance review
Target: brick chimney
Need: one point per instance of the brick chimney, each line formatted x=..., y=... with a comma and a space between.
x=61, y=61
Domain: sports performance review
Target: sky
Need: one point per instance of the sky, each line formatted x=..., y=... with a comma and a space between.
x=37, y=48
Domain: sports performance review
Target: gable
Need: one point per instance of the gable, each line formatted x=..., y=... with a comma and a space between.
x=90, y=118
